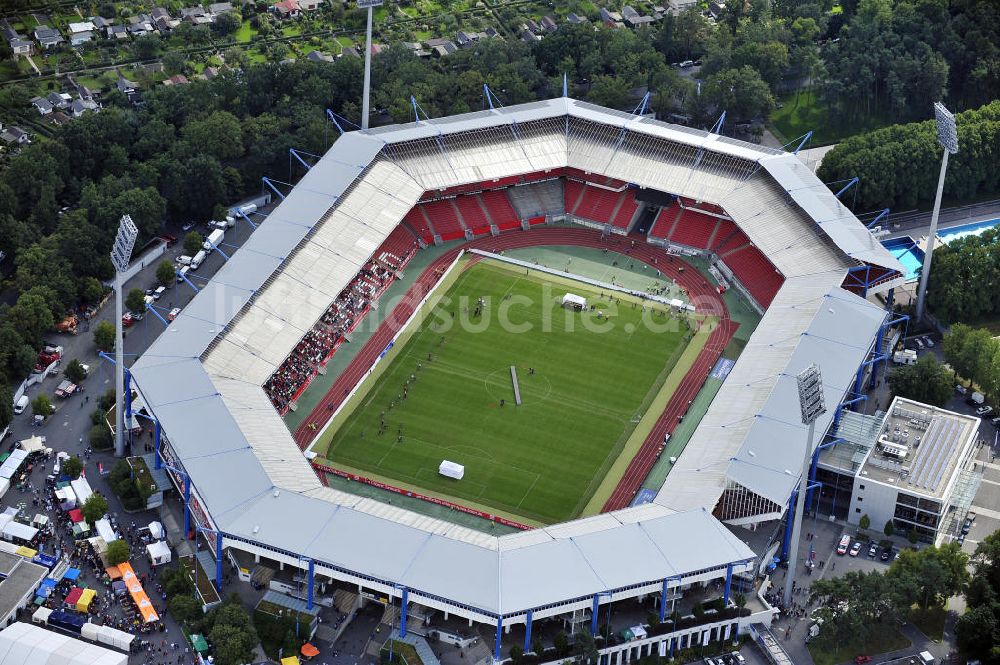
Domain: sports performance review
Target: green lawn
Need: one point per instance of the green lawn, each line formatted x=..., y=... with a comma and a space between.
x=541, y=461
x=882, y=641
x=245, y=33
x=803, y=112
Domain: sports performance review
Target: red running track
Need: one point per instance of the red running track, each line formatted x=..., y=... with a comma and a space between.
x=701, y=294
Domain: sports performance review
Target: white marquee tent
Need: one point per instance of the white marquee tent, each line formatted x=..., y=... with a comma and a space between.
x=451, y=469
x=159, y=553
x=22, y=643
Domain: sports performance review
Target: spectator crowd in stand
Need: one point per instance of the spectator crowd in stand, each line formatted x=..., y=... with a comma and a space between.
x=331, y=330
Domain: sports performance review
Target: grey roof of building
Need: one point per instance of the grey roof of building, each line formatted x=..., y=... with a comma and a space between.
x=215, y=421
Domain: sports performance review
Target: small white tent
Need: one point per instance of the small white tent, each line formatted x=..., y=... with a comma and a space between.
x=159, y=553
x=451, y=470
x=574, y=301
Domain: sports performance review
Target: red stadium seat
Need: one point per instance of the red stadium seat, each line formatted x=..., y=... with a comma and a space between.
x=444, y=218
x=756, y=273
x=694, y=229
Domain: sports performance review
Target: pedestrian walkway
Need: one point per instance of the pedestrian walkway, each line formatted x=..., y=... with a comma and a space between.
x=420, y=645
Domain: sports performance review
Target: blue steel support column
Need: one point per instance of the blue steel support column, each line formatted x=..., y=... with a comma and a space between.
x=311, y=585
x=128, y=396
x=788, y=526
x=527, y=632
x=663, y=602
x=218, y=561
x=157, y=462
x=593, y=615
x=187, y=505
x=729, y=583
x=496, y=644
x=672, y=641
x=812, y=476
x=402, y=612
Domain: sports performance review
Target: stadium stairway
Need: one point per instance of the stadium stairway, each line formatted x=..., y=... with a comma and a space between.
x=666, y=218
x=418, y=222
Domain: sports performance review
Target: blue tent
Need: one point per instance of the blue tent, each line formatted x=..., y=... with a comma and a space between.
x=71, y=574
x=46, y=588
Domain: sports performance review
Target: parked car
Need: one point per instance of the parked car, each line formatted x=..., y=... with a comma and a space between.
x=919, y=343
x=738, y=657
x=996, y=422
x=967, y=525
x=872, y=550
x=984, y=410
x=961, y=390
x=928, y=341
x=855, y=549
x=127, y=319
x=174, y=313
x=886, y=554
x=861, y=660
x=845, y=542
x=187, y=227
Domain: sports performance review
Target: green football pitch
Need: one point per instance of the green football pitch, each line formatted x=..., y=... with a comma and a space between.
x=445, y=391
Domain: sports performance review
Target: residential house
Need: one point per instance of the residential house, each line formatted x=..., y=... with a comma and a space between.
x=489, y=33
x=48, y=37
x=80, y=106
x=610, y=18
x=464, y=38
x=548, y=24
x=576, y=18
x=529, y=37
x=532, y=24
x=634, y=18
x=286, y=9
x=159, y=12
x=81, y=33
x=715, y=8
x=416, y=49
x=209, y=73
x=125, y=86
x=117, y=32
x=58, y=118
x=349, y=52
x=317, y=56
x=140, y=25
x=309, y=5
x=20, y=46
x=188, y=12
x=445, y=49
x=164, y=25
x=217, y=8
x=199, y=20
x=42, y=105
x=14, y=135
x=678, y=6
x=100, y=23
x=176, y=79
x=59, y=100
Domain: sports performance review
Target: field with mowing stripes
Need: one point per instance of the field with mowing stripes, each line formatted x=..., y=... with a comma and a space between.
x=440, y=389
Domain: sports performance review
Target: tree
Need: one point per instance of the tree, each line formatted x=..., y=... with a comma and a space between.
x=516, y=652
x=74, y=371
x=104, y=336
x=192, y=243
x=100, y=437
x=227, y=23
x=31, y=315
x=184, y=608
x=146, y=47
x=537, y=646
x=41, y=406
x=6, y=405
x=912, y=536
x=174, y=61
x=118, y=551
x=94, y=508
x=977, y=632
x=135, y=300
x=741, y=92
x=561, y=643
x=865, y=522
x=584, y=647
x=927, y=381
x=888, y=529
x=166, y=273
x=219, y=135
x=72, y=467
x=608, y=91
x=933, y=573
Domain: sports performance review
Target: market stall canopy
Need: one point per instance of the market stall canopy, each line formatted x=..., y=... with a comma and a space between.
x=105, y=531
x=76, y=515
x=198, y=643
x=82, y=489
x=34, y=444
x=71, y=574
x=73, y=596
x=159, y=553
x=156, y=530
x=83, y=602
x=309, y=651
x=23, y=643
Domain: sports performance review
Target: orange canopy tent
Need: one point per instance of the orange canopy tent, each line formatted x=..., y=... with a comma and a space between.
x=113, y=572
x=309, y=651
x=139, y=596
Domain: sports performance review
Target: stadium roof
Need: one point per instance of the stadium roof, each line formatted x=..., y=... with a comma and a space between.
x=202, y=377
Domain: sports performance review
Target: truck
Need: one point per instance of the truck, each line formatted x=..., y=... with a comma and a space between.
x=905, y=357
x=197, y=259
x=47, y=356
x=977, y=398
x=65, y=389
x=213, y=240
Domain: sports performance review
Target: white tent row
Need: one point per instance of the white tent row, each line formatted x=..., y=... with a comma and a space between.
x=11, y=529
x=22, y=643
x=82, y=490
x=12, y=463
x=66, y=495
x=113, y=637
x=105, y=531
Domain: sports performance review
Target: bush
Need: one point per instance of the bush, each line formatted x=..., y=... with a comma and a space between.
x=100, y=438
x=41, y=406
x=107, y=400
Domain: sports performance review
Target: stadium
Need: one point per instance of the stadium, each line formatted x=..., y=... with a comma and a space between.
x=441, y=209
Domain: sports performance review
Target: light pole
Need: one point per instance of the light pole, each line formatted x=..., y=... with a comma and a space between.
x=121, y=252
x=365, y=104
x=812, y=405
x=947, y=135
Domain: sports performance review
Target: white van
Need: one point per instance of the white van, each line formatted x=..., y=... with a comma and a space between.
x=184, y=260
x=21, y=404
x=198, y=258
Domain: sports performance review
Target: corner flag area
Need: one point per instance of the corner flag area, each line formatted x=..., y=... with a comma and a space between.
x=586, y=377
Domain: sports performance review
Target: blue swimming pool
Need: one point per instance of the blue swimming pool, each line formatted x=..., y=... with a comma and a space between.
x=966, y=230
x=905, y=249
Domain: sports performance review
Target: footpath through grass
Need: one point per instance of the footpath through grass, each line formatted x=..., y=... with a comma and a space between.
x=448, y=394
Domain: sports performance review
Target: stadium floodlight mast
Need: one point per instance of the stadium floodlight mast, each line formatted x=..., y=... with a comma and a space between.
x=121, y=253
x=365, y=103
x=947, y=135
x=813, y=405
